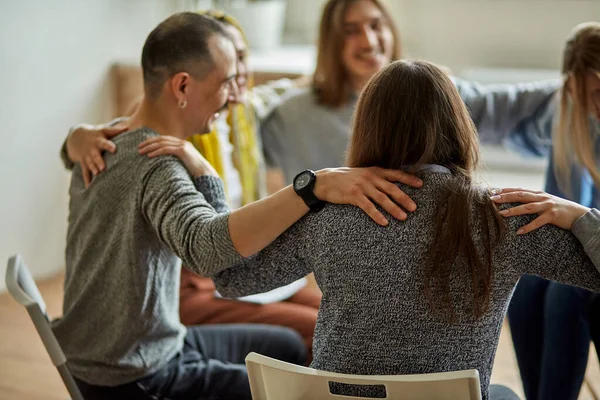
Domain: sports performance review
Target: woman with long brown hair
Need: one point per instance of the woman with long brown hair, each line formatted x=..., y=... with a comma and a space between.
x=551, y=323
x=428, y=294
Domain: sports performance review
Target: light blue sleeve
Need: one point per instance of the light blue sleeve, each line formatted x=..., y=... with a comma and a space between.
x=532, y=136
x=497, y=109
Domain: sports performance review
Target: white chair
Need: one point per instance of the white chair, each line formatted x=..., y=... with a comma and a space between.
x=23, y=289
x=271, y=379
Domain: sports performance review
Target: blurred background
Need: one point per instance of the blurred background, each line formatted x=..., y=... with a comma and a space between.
x=57, y=68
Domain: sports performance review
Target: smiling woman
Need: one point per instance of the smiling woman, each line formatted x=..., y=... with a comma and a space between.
x=356, y=39
x=369, y=42
x=311, y=127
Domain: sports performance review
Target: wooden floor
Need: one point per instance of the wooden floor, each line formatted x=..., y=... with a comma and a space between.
x=26, y=372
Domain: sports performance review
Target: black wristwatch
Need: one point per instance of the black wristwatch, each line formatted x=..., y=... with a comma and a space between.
x=304, y=186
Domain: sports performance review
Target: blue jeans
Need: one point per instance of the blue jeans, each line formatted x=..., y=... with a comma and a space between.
x=210, y=366
x=551, y=326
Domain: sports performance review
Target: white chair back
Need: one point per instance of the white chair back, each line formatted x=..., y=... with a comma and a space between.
x=271, y=379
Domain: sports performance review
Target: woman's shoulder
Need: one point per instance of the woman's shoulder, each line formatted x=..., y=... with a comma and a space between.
x=295, y=108
x=299, y=99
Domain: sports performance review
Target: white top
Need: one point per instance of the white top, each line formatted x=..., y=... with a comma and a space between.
x=232, y=176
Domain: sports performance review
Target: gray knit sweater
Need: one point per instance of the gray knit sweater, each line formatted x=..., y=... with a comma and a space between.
x=127, y=230
x=374, y=318
x=126, y=236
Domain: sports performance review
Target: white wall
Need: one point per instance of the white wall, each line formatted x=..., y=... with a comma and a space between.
x=490, y=33
x=54, y=60
x=468, y=33
x=302, y=20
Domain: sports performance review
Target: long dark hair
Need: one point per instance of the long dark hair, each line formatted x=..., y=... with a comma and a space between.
x=410, y=113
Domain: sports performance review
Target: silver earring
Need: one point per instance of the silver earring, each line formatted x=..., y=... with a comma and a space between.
x=182, y=104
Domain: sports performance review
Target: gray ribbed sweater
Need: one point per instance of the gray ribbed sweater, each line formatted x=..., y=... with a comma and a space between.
x=121, y=307
x=374, y=318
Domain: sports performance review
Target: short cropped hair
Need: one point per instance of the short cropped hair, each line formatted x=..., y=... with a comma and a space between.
x=179, y=44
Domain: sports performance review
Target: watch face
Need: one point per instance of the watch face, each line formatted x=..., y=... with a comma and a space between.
x=302, y=181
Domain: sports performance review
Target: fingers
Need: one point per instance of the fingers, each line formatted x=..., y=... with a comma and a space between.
x=93, y=159
x=368, y=207
x=148, y=148
x=153, y=143
x=164, y=150
x=95, y=162
x=162, y=138
x=519, y=196
x=508, y=190
x=87, y=176
x=386, y=176
x=525, y=209
x=89, y=163
x=537, y=203
x=107, y=145
x=393, y=175
x=110, y=132
x=153, y=147
x=397, y=194
x=385, y=202
x=535, y=224
x=512, y=190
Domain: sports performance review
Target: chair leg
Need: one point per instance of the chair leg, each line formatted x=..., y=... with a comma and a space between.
x=70, y=383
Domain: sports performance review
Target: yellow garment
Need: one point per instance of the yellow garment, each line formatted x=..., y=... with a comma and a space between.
x=209, y=146
x=247, y=154
x=247, y=157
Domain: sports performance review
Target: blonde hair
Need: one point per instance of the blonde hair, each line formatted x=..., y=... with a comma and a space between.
x=330, y=77
x=572, y=137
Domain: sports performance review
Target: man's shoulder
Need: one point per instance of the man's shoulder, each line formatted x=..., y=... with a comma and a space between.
x=134, y=136
x=128, y=155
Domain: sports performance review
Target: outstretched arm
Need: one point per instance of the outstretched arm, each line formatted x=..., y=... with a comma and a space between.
x=498, y=109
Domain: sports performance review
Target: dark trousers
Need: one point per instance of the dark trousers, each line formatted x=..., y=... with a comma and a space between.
x=551, y=326
x=210, y=366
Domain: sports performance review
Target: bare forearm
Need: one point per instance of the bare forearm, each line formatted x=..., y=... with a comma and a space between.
x=255, y=226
